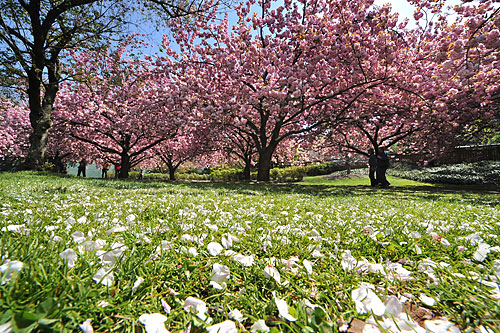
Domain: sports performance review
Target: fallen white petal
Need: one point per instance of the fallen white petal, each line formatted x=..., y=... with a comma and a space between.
x=8, y=269
x=308, y=266
x=70, y=256
x=78, y=237
x=283, y=308
x=227, y=326
x=6, y=328
x=154, y=323
x=429, y=301
x=165, y=306
x=214, y=248
x=220, y=273
x=137, y=283
x=271, y=272
x=259, y=326
x=197, y=306
x=246, y=261
x=482, y=251
x=86, y=327
x=440, y=326
x=366, y=300
x=104, y=277
x=218, y=286
x=236, y=314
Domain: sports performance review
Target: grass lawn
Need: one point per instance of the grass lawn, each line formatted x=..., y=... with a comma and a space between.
x=313, y=256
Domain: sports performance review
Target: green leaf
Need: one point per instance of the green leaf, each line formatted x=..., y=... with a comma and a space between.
x=6, y=316
x=46, y=306
x=47, y=321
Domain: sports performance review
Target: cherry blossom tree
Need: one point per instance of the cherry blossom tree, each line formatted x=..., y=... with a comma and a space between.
x=119, y=107
x=185, y=146
x=14, y=130
x=35, y=35
x=238, y=147
x=447, y=84
x=286, y=71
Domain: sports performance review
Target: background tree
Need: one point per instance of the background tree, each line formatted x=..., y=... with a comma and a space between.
x=288, y=70
x=186, y=146
x=14, y=132
x=118, y=106
x=34, y=36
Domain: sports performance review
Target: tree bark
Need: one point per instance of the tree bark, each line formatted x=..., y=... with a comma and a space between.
x=264, y=164
x=125, y=164
x=247, y=169
x=40, y=119
x=171, y=171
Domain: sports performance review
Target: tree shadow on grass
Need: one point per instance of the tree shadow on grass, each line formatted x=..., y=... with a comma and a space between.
x=474, y=195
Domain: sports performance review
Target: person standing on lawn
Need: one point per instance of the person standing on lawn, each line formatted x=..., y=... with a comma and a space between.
x=105, y=168
x=82, y=168
x=118, y=167
x=382, y=166
x=372, y=164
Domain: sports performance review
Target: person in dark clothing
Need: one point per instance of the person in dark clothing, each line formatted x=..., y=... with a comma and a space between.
x=82, y=168
x=105, y=168
x=372, y=163
x=382, y=166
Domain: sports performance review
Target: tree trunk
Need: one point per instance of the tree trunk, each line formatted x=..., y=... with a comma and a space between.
x=264, y=164
x=171, y=171
x=125, y=164
x=40, y=119
x=247, y=169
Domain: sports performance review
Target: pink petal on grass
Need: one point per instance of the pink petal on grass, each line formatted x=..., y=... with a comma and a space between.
x=271, y=272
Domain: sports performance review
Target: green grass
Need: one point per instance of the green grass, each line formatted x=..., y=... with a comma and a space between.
x=359, y=181
x=317, y=220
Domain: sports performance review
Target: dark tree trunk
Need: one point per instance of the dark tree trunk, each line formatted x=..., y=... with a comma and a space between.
x=264, y=164
x=125, y=156
x=247, y=169
x=171, y=171
x=40, y=119
x=125, y=164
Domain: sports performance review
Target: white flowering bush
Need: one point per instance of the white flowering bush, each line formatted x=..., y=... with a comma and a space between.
x=82, y=254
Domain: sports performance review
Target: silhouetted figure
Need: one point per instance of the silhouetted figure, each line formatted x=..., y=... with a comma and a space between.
x=105, y=168
x=82, y=168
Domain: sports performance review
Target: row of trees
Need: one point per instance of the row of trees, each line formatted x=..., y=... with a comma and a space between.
x=323, y=75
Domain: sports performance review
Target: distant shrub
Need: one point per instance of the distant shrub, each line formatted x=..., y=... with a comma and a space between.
x=192, y=176
x=321, y=169
x=290, y=174
x=479, y=173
